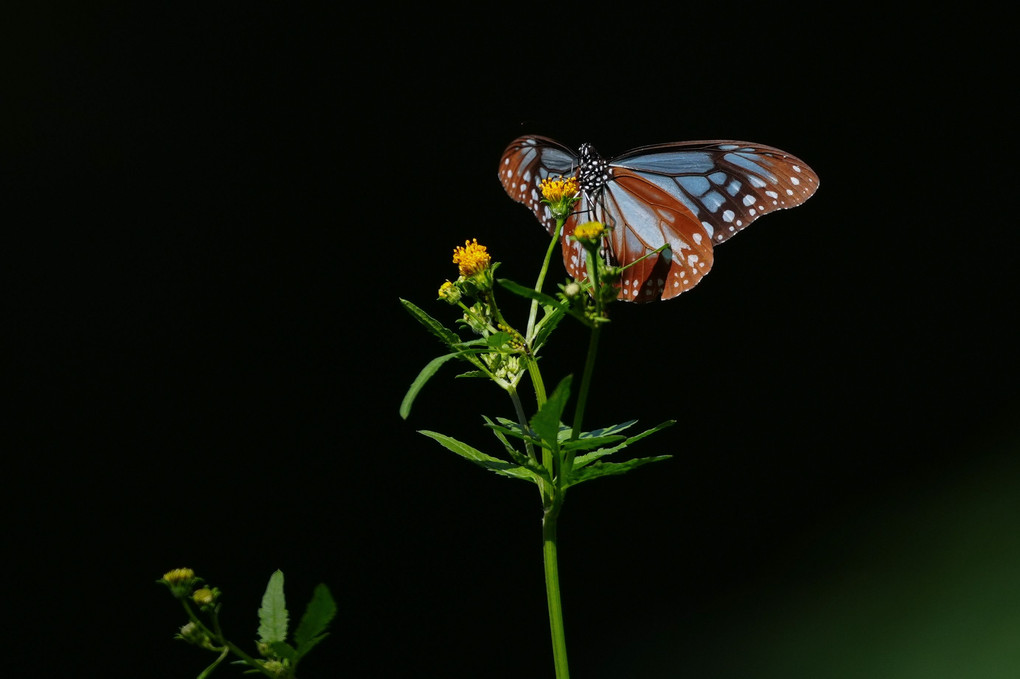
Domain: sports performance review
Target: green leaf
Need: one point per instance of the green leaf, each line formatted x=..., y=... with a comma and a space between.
x=493, y=464
x=548, y=301
x=424, y=376
x=283, y=651
x=312, y=628
x=515, y=431
x=592, y=442
x=546, y=422
x=273, y=614
x=608, y=430
x=497, y=339
x=547, y=325
x=530, y=293
x=600, y=469
x=583, y=460
x=448, y=336
x=499, y=432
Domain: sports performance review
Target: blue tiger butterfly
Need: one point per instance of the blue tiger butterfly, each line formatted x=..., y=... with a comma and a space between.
x=691, y=194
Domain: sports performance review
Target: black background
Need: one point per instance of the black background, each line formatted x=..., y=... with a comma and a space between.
x=222, y=208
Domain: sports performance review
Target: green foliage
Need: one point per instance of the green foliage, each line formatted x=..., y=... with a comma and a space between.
x=273, y=613
x=540, y=448
x=555, y=309
x=493, y=464
x=546, y=423
x=312, y=628
x=492, y=343
x=424, y=376
x=585, y=468
x=279, y=659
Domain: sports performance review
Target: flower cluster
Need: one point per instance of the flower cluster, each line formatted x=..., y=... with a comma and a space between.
x=475, y=267
x=560, y=195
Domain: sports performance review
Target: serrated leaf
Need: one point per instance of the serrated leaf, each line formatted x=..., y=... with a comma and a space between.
x=546, y=300
x=600, y=469
x=546, y=326
x=583, y=460
x=493, y=464
x=448, y=336
x=424, y=376
x=590, y=443
x=516, y=432
x=312, y=628
x=499, y=432
x=529, y=293
x=609, y=429
x=273, y=613
x=546, y=422
x=283, y=651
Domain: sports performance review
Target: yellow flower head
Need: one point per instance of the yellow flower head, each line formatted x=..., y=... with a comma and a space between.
x=450, y=292
x=204, y=596
x=471, y=258
x=589, y=231
x=560, y=195
x=179, y=575
x=180, y=581
x=557, y=189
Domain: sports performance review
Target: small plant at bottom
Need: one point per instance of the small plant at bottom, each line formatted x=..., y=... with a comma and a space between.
x=279, y=659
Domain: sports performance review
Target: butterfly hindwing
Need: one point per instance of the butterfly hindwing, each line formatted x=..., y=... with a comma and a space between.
x=643, y=217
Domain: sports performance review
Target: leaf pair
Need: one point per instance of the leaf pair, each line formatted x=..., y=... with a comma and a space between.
x=548, y=432
x=273, y=622
x=461, y=349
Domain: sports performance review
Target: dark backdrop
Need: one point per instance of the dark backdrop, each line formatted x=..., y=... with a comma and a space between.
x=222, y=207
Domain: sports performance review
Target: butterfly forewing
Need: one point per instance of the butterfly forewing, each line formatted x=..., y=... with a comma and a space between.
x=525, y=163
x=725, y=184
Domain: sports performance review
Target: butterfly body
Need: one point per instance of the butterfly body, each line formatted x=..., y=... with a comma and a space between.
x=689, y=195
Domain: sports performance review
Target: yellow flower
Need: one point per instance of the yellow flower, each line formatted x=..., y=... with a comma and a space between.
x=556, y=189
x=180, y=581
x=449, y=292
x=471, y=258
x=204, y=596
x=178, y=576
x=589, y=231
x=560, y=195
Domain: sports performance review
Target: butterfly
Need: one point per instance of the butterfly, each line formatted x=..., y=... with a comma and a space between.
x=692, y=195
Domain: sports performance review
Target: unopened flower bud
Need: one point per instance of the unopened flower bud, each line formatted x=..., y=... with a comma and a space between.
x=204, y=596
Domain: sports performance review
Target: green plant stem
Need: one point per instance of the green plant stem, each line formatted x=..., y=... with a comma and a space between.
x=582, y=394
x=552, y=587
x=541, y=278
x=218, y=636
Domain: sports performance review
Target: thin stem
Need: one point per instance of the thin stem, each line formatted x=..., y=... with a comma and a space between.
x=541, y=278
x=552, y=589
x=522, y=420
x=582, y=394
x=218, y=636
